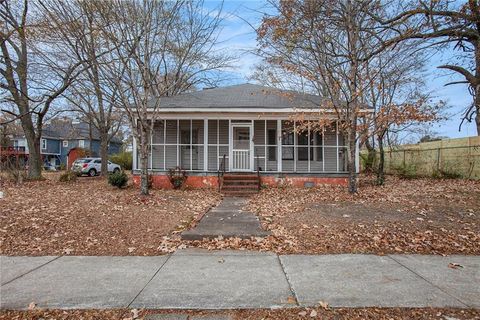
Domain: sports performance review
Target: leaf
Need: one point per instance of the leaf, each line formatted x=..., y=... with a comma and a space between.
x=221, y=260
x=313, y=314
x=324, y=305
x=291, y=300
x=454, y=265
x=134, y=313
x=32, y=305
x=302, y=313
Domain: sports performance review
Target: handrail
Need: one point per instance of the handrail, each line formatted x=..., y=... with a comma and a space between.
x=258, y=170
x=221, y=172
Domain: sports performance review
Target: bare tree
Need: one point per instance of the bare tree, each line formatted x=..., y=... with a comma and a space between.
x=163, y=48
x=443, y=22
x=35, y=72
x=330, y=44
x=78, y=25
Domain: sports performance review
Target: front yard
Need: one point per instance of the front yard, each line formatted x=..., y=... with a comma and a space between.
x=90, y=217
x=404, y=216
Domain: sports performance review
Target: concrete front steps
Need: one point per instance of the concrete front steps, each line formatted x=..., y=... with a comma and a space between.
x=240, y=185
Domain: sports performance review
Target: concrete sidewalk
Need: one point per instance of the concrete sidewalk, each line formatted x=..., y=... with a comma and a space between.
x=197, y=279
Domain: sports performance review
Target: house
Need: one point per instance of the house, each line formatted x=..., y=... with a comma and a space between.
x=62, y=136
x=244, y=129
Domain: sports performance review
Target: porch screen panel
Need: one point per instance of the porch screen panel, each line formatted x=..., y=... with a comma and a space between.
x=302, y=155
x=171, y=148
x=271, y=154
x=342, y=159
x=288, y=146
x=259, y=145
x=212, y=132
x=316, y=151
x=171, y=137
x=223, y=150
x=157, y=157
x=212, y=145
x=330, y=152
x=197, y=145
x=212, y=157
x=185, y=144
x=158, y=131
x=223, y=133
x=170, y=156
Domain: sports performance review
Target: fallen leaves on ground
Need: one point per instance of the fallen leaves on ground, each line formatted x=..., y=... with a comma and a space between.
x=404, y=216
x=89, y=217
x=266, y=314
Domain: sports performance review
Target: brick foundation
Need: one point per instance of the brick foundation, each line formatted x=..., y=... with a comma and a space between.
x=162, y=182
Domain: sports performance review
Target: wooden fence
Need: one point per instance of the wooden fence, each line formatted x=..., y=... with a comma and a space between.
x=449, y=157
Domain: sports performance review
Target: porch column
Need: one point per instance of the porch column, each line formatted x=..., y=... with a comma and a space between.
x=205, y=145
x=279, y=145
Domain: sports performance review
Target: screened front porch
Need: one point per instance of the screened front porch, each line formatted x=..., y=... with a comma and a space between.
x=200, y=145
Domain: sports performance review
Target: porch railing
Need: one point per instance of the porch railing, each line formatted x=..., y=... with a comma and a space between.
x=241, y=160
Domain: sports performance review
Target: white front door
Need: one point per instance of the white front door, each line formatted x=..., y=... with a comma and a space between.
x=241, y=143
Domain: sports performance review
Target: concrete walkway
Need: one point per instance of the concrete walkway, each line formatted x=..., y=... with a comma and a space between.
x=197, y=279
x=228, y=219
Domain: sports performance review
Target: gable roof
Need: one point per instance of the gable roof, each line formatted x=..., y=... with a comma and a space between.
x=69, y=130
x=246, y=96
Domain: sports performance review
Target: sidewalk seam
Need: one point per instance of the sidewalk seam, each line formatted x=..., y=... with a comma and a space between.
x=429, y=282
x=290, y=286
x=30, y=271
x=141, y=290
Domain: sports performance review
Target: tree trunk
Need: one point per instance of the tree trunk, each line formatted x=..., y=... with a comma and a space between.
x=381, y=162
x=104, y=152
x=371, y=155
x=34, y=157
x=352, y=147
x=144, y=164
x=144, y=175
x=477, y=106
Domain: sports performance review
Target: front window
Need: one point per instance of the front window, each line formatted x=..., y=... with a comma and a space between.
x=44, y=144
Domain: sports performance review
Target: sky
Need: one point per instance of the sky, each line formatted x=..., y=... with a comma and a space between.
x=239, y=37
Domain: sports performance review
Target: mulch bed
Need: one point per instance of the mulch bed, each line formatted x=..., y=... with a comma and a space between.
x=90, y=217
x=279, y=314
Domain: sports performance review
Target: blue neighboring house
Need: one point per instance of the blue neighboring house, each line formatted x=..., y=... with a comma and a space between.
x=64, y=135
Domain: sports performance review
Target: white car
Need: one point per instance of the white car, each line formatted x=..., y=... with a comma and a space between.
x=93, y=166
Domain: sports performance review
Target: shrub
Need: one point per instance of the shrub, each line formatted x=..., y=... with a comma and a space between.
x=68, y=176
x=124, y=159
x=118, y=179
x=177, y=177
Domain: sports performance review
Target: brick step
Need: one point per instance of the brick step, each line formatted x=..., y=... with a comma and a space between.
x=240, y=182
x=239, y=187
x=240, y=177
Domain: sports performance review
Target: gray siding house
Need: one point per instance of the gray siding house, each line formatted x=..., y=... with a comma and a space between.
x=244, y=128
